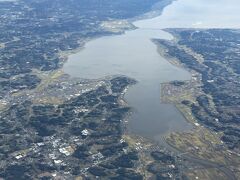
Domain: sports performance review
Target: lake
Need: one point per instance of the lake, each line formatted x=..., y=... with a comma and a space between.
x=134, y=54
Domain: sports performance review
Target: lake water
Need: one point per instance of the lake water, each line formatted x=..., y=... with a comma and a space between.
x=134, y=54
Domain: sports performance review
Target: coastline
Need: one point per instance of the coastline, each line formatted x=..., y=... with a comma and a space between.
x=66, y=54
x=193, y=142
x=156, y=10
x=126, y=134
x=175, y=62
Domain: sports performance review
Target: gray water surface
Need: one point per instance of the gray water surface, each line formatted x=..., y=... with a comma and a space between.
x=134, y=54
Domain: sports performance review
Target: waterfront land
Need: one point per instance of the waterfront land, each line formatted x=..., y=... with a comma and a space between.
x=210, y=100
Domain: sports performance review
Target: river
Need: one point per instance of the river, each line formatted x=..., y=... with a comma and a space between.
x=134, y=54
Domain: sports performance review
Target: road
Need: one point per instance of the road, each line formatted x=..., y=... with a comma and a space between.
x=203, y=162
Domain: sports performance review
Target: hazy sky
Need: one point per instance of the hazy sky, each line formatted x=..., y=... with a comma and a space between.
x=200, y=14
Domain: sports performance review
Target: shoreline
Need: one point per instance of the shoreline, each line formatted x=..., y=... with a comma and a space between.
x=64, y=55
x=193, y=142
x=165, y=98
x=126, y=131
